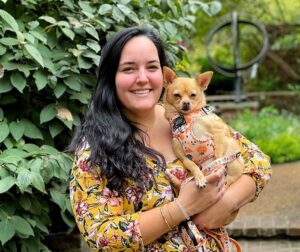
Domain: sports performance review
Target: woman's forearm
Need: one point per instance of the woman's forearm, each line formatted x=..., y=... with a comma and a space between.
x=241, y=192
x=237, y=195
x=158, y=221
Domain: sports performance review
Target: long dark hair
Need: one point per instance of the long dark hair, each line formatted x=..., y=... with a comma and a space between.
x=110, y=135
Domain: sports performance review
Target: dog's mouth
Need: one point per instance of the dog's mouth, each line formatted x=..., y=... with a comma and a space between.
x=185, y=107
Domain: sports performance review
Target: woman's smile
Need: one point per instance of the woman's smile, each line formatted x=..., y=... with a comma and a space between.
x=141, y=92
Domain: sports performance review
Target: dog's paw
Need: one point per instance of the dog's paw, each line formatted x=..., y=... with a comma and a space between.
x=200, y=182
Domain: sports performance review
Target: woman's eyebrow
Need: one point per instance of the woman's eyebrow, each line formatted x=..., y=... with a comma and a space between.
x=132, y=62
x=127, y=63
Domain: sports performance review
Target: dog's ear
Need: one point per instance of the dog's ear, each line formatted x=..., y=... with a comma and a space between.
x=204, y=79
x=169, y=75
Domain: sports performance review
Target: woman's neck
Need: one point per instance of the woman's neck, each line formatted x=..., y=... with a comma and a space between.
x=144, y=120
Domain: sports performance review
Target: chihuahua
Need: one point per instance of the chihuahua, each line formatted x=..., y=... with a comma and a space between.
x=201, y=140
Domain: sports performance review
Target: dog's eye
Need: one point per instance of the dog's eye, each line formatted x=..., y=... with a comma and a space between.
x=177, y=95
x=193, y=95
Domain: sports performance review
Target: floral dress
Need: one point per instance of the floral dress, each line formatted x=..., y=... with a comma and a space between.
x=109, y=221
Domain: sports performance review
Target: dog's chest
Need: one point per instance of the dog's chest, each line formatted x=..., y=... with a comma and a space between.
x=197, y=143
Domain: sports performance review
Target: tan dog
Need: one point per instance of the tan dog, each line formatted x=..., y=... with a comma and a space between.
x=199, y=138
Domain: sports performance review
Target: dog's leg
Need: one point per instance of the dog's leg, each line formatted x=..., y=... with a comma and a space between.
x=219, y=140
x=189, y=164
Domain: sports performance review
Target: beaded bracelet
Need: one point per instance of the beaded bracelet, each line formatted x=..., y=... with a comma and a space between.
x=165, y=219
x=187, y=217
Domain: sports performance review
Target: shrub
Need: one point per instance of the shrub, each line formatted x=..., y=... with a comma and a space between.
x=277, y=134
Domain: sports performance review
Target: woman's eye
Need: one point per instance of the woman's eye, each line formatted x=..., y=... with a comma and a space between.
x=153, y=67
x=127, y=69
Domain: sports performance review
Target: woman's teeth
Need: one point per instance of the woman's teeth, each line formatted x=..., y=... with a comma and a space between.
x=143, y=91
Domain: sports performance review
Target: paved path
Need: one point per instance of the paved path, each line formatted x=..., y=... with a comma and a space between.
x=272, y=222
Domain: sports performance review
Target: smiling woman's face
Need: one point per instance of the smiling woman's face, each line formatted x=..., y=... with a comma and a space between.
x=139, y=79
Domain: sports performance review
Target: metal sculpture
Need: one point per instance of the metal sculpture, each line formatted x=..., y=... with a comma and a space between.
x=234, y=21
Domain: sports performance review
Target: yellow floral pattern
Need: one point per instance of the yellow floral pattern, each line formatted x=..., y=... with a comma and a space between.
x=109, y=221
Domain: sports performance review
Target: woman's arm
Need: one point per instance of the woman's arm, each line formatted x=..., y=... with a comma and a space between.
x=157, y=221
x=104, y=220
x=233, y=199
x=98, y=211
x=257, y=173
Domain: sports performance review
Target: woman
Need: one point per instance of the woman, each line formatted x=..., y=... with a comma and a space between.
x=120, y=192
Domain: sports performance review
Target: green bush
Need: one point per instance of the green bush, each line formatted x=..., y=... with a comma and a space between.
x=49, y=52
x=33, y=183
x=277, y=134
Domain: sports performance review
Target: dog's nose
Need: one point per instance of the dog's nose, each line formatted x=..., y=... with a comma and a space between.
x=185, y=105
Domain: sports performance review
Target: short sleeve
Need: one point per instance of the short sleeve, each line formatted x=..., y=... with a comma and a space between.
x=99, y=212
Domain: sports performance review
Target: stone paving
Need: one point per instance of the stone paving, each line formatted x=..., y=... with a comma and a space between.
x=272, y=222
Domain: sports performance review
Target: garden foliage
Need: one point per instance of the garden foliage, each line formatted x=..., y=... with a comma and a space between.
x=49, y=51
x=277, y=134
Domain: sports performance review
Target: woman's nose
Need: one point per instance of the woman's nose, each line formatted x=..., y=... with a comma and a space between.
x=142, y=76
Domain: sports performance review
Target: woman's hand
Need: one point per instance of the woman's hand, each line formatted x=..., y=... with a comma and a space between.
x=195, y=200
x=215, y=215
x=233, y=199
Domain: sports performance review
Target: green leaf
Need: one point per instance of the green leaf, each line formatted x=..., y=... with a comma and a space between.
x=92, y=31
x=68, y=219
x=5, y=85
x=38, y=182
x=35, y=54
x=117, y=14
x=30, y=38
x=40, y=225
x=9, y=41
x=69, y=124
x=9, y=19
x=214, y=7
x=59, y=90
x=6, y=184
x=4, y=131
x=24, y=179
x=41, y=79
x=49, y=150
x=48, y=113
x=1, y=114
x=18, y=153
x=7, y=230
x=31, y=130
x=24, y=201
x=171, y=28
x=94, y=45
x=72, y=83
x=17, y=130
x=104, y=9
x=21, y=225
x=18, y=81
x=8, y=143
x=124, y=9
x=82, y=63
x=39, y=35
x=31, y=148
x=55, y=128
x=36, y=165
x=48, y=19
x=2, y=50
x=59, y=198
x=84, y=96
x=85, y=6
x=68, y=32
